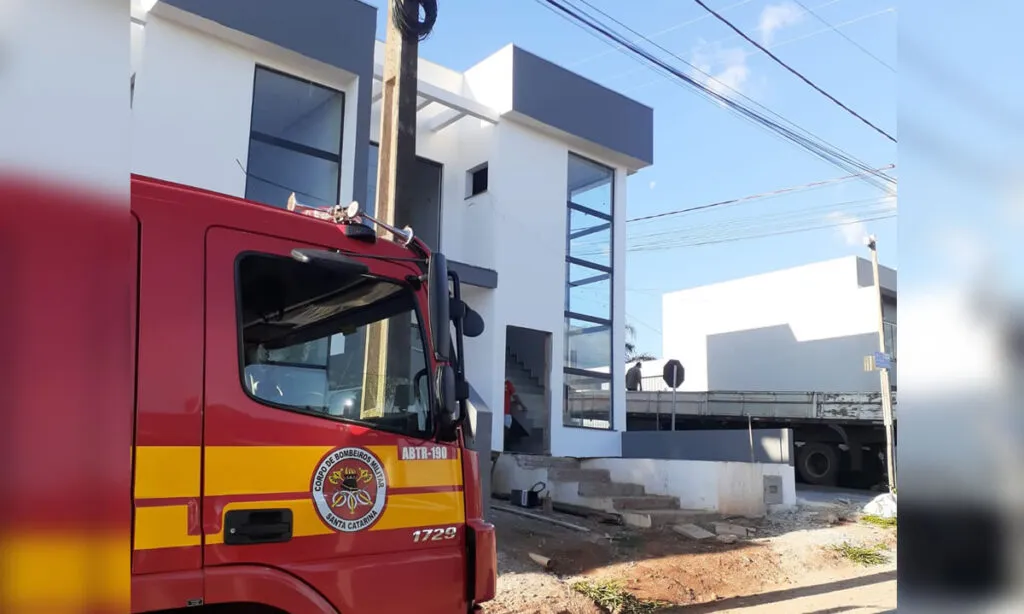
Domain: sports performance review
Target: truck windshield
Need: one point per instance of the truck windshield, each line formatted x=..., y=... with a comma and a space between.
x=338, y=346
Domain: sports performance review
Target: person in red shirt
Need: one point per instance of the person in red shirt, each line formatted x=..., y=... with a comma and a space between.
x=510, y=393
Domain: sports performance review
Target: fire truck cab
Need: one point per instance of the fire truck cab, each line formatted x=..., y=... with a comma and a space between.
x=300, y=417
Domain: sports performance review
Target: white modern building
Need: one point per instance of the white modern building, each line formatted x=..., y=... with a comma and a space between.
x=523, y=169
x=807, y=328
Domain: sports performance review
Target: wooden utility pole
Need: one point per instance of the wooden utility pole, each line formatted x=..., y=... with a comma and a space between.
x=397, y=153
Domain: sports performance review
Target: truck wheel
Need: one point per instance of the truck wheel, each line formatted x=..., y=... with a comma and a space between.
x=818, y=463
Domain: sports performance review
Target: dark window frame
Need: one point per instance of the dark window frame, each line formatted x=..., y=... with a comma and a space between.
x=428, y=435
x=601, y=273
x=299, y=148
x=440, y=191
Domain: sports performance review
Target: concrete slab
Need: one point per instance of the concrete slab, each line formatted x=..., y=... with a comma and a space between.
x=692, y=531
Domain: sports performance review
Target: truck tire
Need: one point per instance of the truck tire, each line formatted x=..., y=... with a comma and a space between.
x=818, y=463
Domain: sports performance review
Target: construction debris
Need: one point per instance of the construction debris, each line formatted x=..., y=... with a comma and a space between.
x=692, y=531
x=725, y=528
x=883, y=506
x=540, y=517
x=727, y=538
x=543, y=561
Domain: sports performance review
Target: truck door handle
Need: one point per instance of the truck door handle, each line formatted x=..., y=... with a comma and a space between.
x=271, y=526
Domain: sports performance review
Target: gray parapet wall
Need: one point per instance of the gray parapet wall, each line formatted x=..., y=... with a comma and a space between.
x=769, y=445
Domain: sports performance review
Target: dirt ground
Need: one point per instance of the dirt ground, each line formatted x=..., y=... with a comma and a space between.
x=787, y=565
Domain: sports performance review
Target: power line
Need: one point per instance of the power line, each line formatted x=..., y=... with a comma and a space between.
x=652, y=36
x=794, y=71
x=776, y=221
x=812, y=13
x=810, y=142
x=776, y=45
x=731, y=201
x=792, y=231
x=698, y=242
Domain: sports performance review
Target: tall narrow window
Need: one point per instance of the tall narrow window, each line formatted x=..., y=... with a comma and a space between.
x=295, y=141
x=588, y=295
x=425, y=217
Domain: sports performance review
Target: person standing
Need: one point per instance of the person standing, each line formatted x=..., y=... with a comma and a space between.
x=634, y=378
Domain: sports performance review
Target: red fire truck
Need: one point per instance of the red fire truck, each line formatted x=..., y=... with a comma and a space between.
x=300, y=419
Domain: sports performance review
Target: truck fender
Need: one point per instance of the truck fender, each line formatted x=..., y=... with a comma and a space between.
x=265, y=585
x=842, y=433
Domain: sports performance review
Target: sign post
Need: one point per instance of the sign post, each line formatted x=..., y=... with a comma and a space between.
x=673, y=374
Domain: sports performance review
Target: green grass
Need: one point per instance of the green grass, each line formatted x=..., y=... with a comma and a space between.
x=863, y=555
x=878, y=521
x=611, y=596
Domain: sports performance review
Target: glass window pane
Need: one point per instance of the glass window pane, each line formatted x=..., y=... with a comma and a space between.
x=587, y=401
x=337, y=381
x=297, y=111
x=275, y=172
x=587, y=345
x=590, y=238
x=590, y=184
x=593, y=295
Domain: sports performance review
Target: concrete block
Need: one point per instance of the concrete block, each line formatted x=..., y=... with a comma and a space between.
x=692, y=531
x=725, y=528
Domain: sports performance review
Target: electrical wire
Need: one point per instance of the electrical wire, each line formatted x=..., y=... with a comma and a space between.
x=791, y=231
x=408, y=21
x=795, y=72
x=653, y=35
x=814, y=14
x=775, y=45
x=733, y=201
x=663, y=238
x=809, y=143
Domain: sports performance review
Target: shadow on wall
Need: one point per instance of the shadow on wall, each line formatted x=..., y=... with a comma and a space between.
x=772, y=359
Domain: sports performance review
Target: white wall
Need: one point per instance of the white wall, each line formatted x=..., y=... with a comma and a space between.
x=704, y=486
x=193, y=102
x=725, y=488
x=805, y=328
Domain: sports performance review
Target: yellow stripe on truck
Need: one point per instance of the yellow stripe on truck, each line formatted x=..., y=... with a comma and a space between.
x=173, y=472
x=167, y=472
x=401, y=512
x=164, y=526
x=246, y=470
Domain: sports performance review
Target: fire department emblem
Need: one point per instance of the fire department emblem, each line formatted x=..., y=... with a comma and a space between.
x=350, y=489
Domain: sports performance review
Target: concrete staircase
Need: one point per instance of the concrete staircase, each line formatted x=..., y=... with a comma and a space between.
x=531, y=393
x=570, y=483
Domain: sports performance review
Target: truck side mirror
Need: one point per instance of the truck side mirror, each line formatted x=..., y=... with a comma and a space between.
x=440, y=319
x=446, y=402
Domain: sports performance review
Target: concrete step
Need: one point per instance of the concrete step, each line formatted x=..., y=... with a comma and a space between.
x=610, y=489
x=551, y=463
x=647, y=519
x=579, y=475
x=646, y=502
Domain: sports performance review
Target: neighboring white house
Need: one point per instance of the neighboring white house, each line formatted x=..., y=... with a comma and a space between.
x=523, y=169
x=807, y=328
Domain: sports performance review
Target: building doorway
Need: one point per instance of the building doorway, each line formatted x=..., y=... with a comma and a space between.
x=527, y=373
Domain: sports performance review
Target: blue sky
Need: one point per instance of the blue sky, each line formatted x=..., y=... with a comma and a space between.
x=704, y=153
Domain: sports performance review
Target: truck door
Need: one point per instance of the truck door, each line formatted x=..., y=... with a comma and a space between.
x=301, y=473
